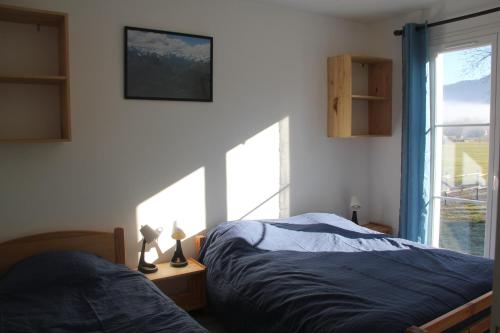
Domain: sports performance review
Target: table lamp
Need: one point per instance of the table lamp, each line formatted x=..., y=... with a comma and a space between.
x=355, y=206
x=178, y=260
x=149, y=235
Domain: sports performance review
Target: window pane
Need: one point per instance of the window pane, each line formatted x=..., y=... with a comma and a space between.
x=461, y=98
x=462, y=226
x=464, y=86
x=464, y=156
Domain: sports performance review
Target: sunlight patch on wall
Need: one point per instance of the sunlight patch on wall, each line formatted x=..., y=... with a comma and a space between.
x=258, y=175
x=284, y=194
x=184, y=202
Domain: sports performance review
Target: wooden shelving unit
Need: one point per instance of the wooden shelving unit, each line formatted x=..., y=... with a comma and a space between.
x=34, y=76
x=363, y=113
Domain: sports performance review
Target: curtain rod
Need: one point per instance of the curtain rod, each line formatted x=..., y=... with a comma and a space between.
x=455, y=19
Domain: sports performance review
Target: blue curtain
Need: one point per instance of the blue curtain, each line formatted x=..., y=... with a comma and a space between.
x=415, y=150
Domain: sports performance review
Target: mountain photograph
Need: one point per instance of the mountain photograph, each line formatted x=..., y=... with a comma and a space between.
x=164, y=65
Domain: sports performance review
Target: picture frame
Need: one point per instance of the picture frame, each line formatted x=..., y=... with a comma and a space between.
x=165, y=65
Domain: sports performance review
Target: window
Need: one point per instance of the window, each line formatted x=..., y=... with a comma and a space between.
x=462, y=125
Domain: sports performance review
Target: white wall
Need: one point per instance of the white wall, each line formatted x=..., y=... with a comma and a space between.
x=269, y=64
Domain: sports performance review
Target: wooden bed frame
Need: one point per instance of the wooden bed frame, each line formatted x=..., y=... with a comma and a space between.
x=461, y=314
x=109, y=245
x=444, y=322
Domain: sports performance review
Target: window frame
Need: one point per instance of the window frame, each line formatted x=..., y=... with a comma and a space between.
x=454, y=44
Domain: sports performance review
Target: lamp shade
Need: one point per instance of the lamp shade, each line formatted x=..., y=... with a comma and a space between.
x=355, y=204
x=177, y=232
x=149, y=233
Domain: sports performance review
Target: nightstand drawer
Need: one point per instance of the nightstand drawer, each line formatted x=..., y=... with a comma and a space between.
x=184, y=285
x=188, y=291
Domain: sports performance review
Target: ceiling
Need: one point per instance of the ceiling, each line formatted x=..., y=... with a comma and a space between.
x=360, y=10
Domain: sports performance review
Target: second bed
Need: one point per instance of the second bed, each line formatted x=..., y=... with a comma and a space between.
x=322, y=273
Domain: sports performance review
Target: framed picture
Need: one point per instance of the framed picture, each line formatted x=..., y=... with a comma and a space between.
x=164, y=65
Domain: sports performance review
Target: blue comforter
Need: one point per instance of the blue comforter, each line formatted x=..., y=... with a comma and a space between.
x=322, y=273
x=80, y=292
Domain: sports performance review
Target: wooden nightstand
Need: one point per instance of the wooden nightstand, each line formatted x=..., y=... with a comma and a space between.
x=185, y=285
x=385, y=229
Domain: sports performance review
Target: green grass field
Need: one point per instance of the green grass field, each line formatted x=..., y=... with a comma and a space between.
x=461, y=158
x=463, y=223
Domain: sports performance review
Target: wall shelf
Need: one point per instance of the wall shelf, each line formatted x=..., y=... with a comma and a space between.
x=359, y=96
x=26, y=141
x=34, y=76
x=361, y=59
x=33, y=79
x=369, y=136
x=369, y=98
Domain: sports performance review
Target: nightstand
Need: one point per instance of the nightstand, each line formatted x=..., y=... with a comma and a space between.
x=385, y=229
x=184, y=285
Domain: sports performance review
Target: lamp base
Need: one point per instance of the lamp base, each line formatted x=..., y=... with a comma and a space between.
x=178, y=264
x=144, y=266
x=147, y=268
x=178, y=260
x=354, y=217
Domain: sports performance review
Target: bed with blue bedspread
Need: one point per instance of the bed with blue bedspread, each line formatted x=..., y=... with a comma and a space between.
x=322, y=273
x=65, y=292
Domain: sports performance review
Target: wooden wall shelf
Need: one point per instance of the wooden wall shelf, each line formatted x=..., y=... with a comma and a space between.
x=33, y=79
x=30, y=16
x=34, y=86
x=369, y=98
x=26, y=141
x=371, y=118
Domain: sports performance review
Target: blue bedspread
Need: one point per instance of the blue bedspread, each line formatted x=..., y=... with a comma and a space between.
x=322, y=273
x=78, y=292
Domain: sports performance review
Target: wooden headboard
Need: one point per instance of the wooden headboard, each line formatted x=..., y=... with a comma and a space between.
x=109, y=245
